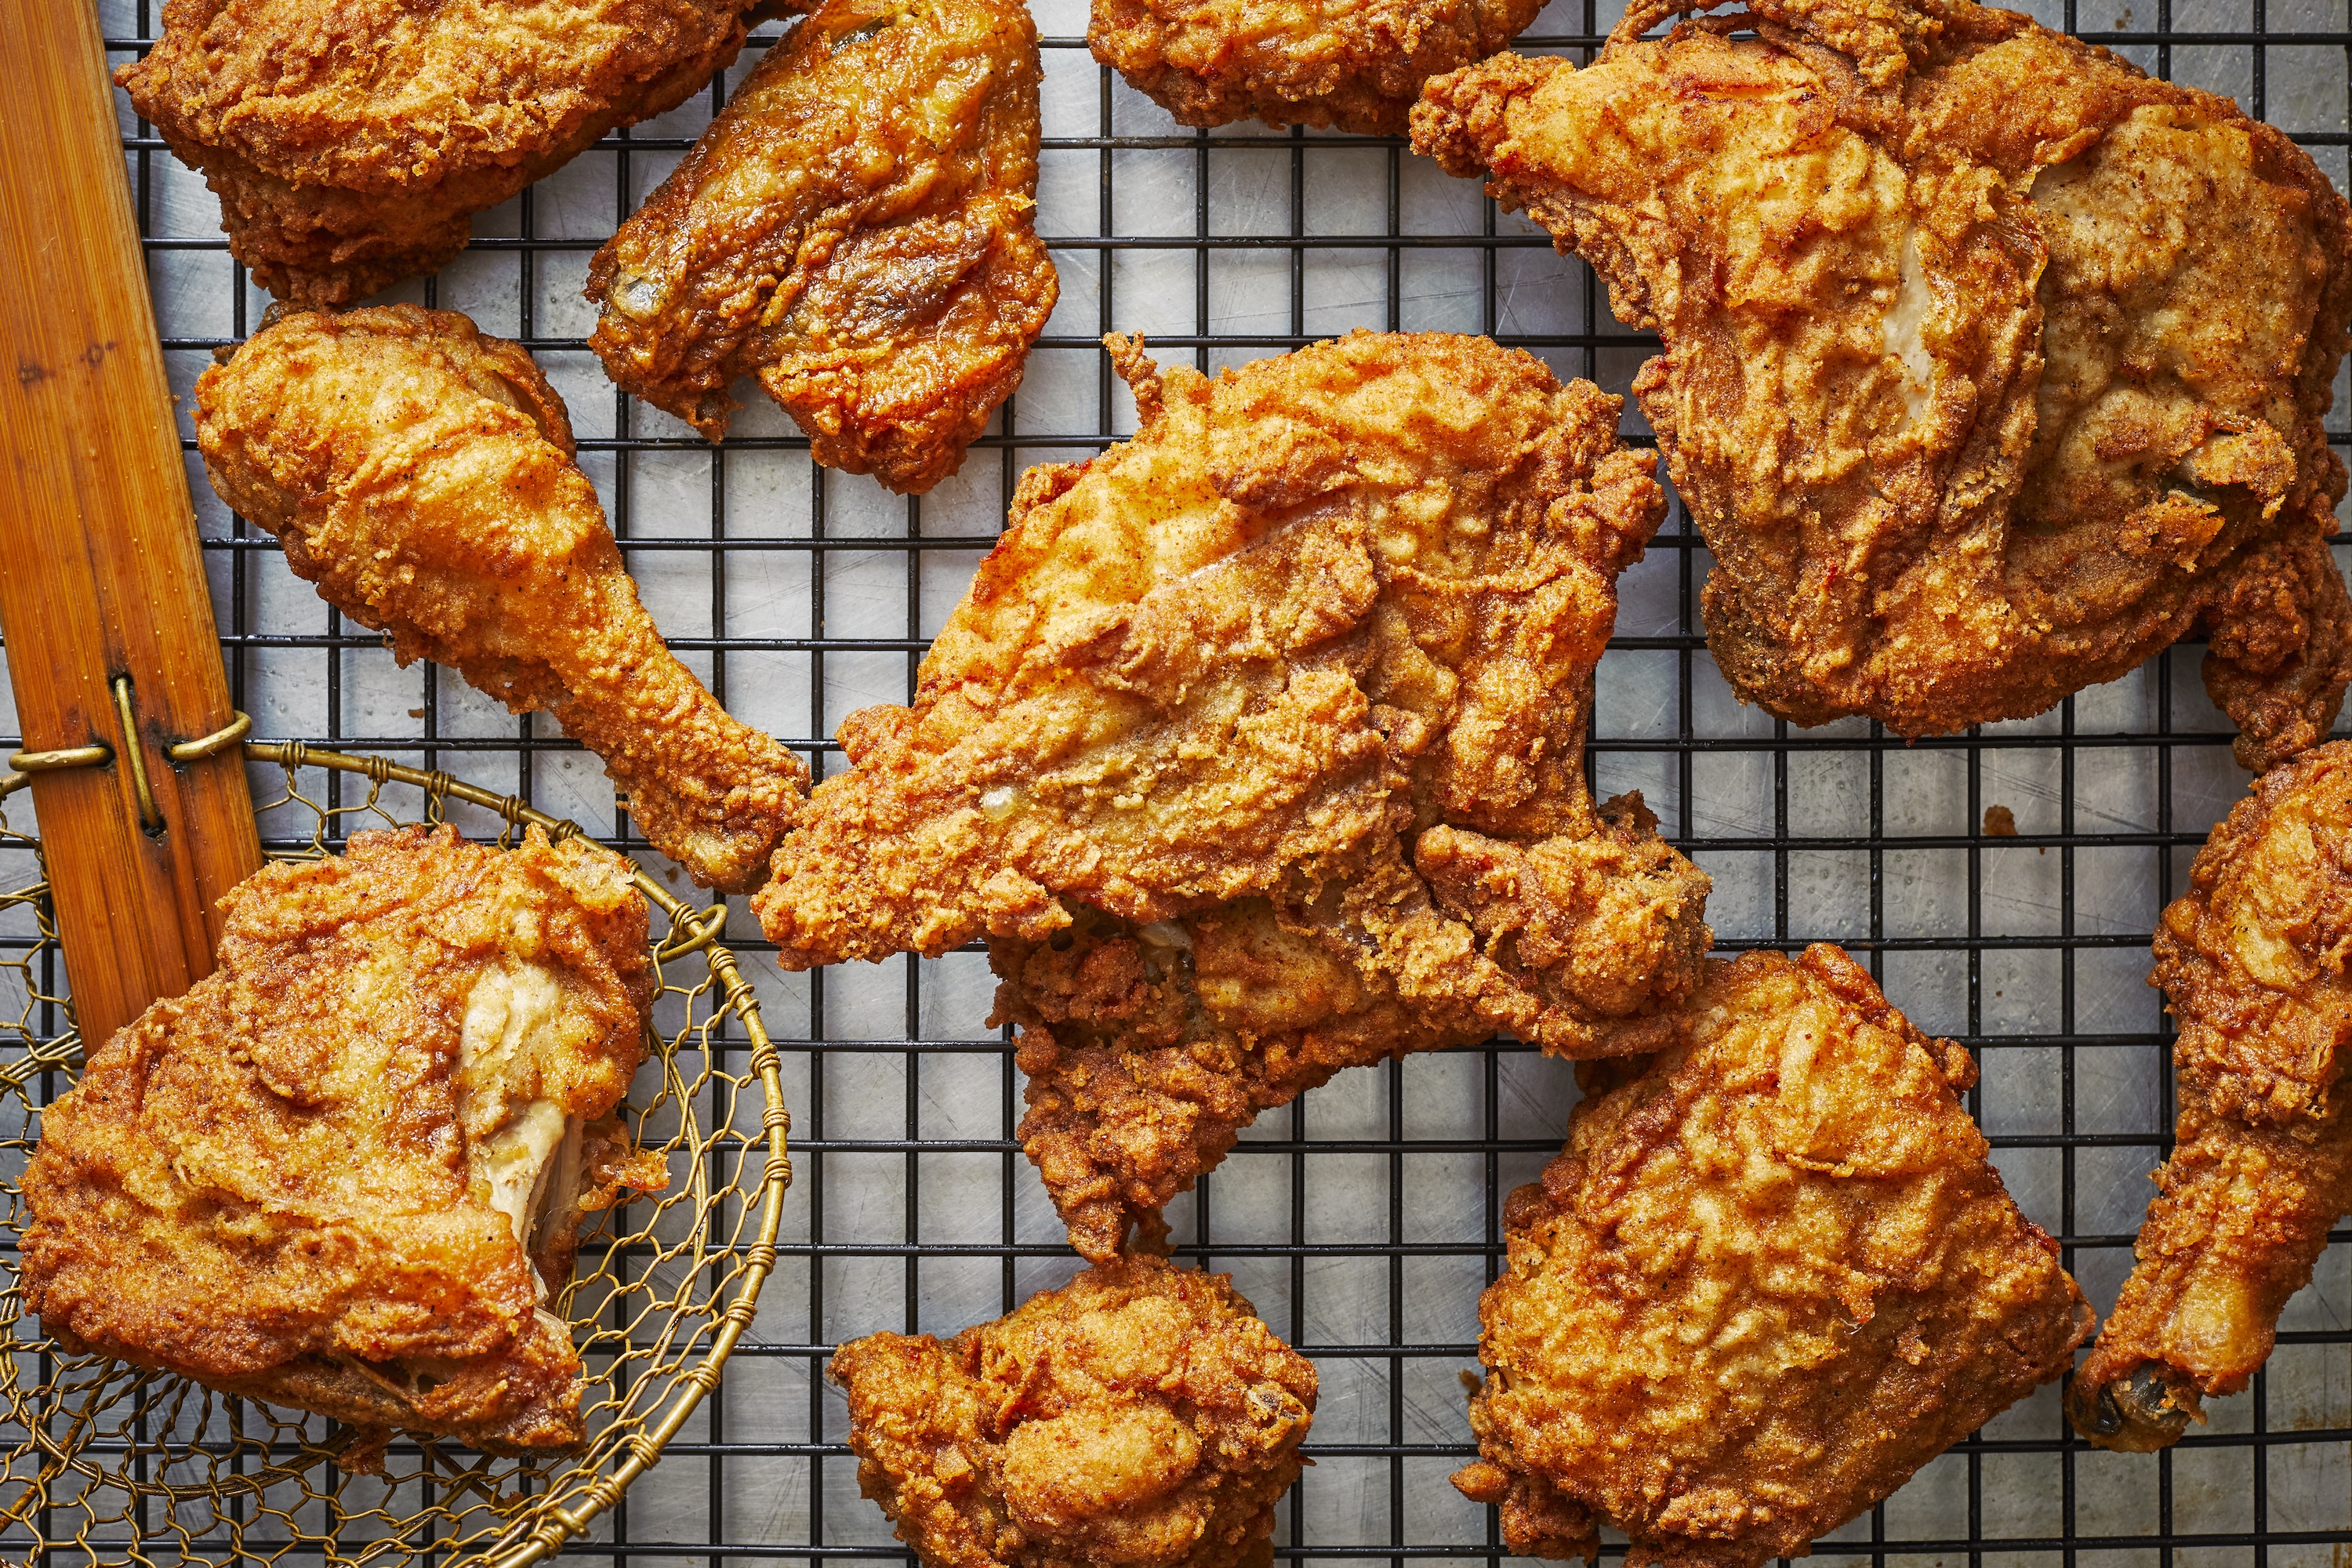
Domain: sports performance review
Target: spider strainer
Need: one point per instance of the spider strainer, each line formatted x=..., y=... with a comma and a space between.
x=103, y=1463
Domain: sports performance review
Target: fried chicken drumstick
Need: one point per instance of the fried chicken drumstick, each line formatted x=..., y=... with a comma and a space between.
x=1255, y=752
x=1771, y=1275
x=1356, y=65
x=1141, y=1416
x=1993, y=366
x=422, y=475
x=857, y=229
x=351, y=143
x=2252, y=959
x=347, y=1171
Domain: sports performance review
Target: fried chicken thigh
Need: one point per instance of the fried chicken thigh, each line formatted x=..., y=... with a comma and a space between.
x=1993, y=366
x=1772, y=1273
x=351, y=143
x=857, y=229
x=422, y=475
x=1141, y=1416
x=2252, y=961
x=1356, y=65
x=347, y=1171
x=1255, y=752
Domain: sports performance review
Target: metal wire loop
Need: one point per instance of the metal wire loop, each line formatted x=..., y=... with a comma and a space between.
x=99, y=753
x=212, y=745
x=90, y=756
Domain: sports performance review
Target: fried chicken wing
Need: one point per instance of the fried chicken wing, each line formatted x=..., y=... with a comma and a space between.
x=351, y=143
x=2252, y=959
x=1356, y=65
x=422, y=475
x=1254, y=751
x=857, y=229
x=347, y=1171
x=1141, y=1416
x=1772, y=1273
x=1993, y=366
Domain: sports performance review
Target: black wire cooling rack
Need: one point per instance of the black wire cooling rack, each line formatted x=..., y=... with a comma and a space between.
x=1363, y=1219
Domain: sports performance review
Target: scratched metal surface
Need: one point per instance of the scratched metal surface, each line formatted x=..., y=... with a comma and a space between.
x=1364, y=1220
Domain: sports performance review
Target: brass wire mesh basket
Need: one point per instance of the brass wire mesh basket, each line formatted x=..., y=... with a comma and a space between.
x=104, y=1463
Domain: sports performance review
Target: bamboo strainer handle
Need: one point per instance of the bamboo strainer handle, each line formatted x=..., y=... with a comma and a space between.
x=108, y=627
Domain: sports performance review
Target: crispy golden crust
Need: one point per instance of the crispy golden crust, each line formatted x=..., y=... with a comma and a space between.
x=856, y=228
x=1148, y=1049
x=1772, y=1273
x=422, y=475
x=1993, y=366
x=1356, y=65
x=351, y=141
x=1252, y=751
x=280, y=1184
x=1141, y=1416
x=2252, y=959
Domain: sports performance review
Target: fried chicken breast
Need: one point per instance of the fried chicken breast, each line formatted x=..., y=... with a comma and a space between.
x=1141, y=1415
x=347, y=1171
x=857, y=229
x=1254, y=751
x=2252, y=961
x=1993, y=366
x=422, y=475
x=1356, y=65
x=351, y=144
x=1772, y=1273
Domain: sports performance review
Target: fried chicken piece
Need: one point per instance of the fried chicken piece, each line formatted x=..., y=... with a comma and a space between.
x=1993, y=366
x=2252, y=959
x=1141, y=1415
x=421, y=474
x=857, y=229
x=1148, y=1047
x=1356, y=64
x=351, y=143
x=1254, y=751
x=347, y=1171
x=1772, y=1273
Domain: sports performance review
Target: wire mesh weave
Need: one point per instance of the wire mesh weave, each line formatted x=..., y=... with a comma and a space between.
x=103, y=1462
x=1363, y=1220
